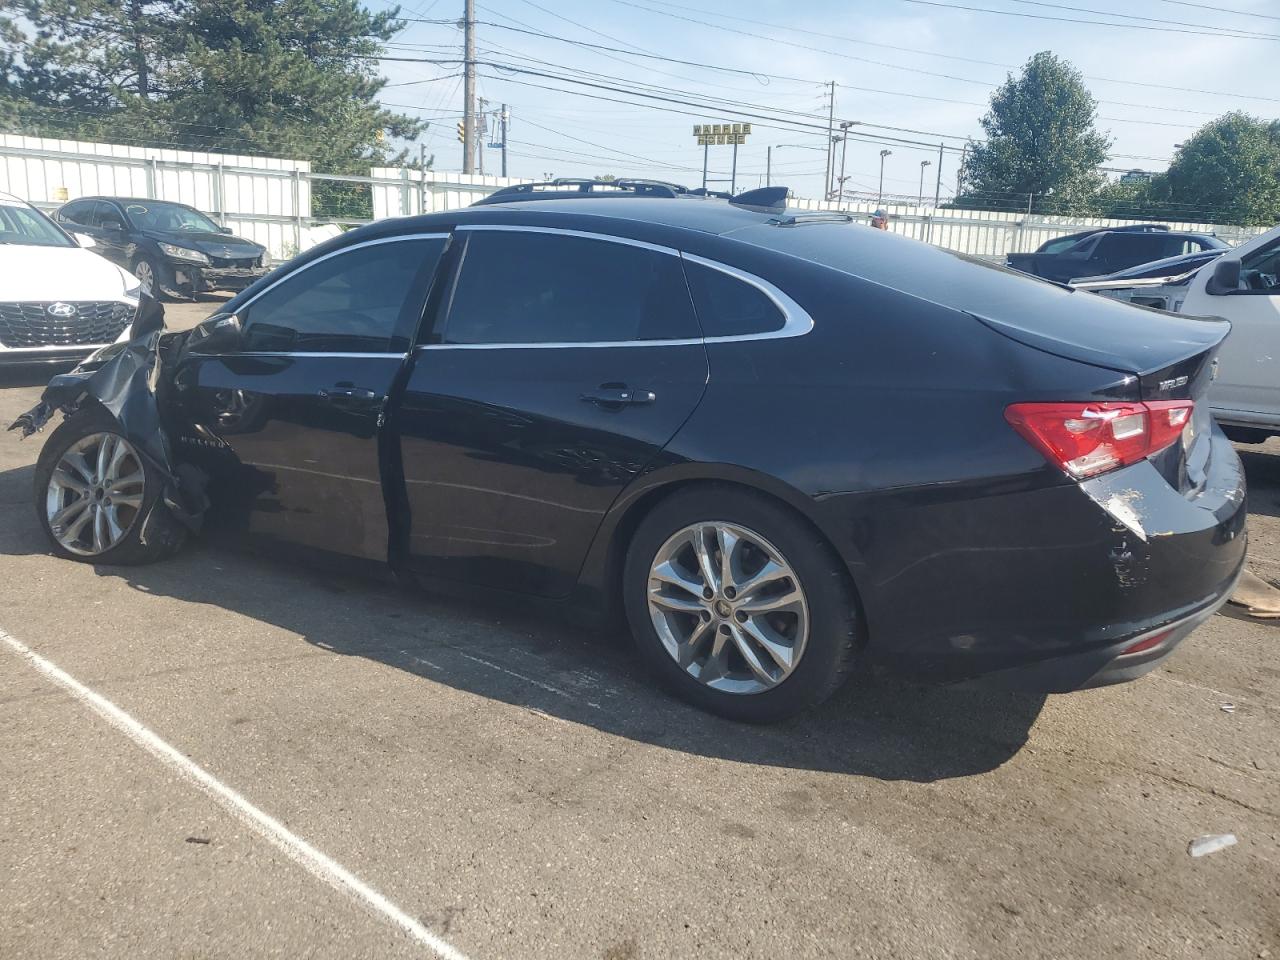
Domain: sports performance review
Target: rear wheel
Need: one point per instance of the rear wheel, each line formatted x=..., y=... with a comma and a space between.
x=98, y=499
x=738, y=605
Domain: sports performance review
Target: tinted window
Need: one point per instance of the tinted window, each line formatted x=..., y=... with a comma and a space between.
x=729, y=307
x=1059, y=246
x=530, y=287
x=105, y=213
x=1261, y=269
x=350, y=302
x=79, y=211
x=158, y=215
x=23, y=226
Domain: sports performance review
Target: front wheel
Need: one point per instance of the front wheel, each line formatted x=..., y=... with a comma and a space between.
x=98, y=500
x=738, y=605
x=149, y=274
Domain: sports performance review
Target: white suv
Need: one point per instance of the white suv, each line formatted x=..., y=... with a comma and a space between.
x=1243, y=286
x=58, y=302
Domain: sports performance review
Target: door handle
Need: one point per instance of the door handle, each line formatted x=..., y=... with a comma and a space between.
x=347, y=394
x=615, y=396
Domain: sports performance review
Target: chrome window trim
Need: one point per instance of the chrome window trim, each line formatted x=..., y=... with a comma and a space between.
x=564, y=231
x=305, y=353
x=796, y=320
x=400, y=238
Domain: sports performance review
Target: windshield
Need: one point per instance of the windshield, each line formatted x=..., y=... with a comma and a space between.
x=168, y=216
x=26, y=226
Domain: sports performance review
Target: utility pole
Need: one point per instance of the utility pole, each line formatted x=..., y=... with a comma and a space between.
x=706, y=150
x=880, y=193
x=768, y=166
x=733, y=175
x=831, y=156
x=920, y=199
x=469, y=87
x=937, y=193
x=422, y=178
x=844, y=150
x=505, y=118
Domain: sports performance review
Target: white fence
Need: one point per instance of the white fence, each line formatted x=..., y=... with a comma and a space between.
x=263, y=198
x=270, y=199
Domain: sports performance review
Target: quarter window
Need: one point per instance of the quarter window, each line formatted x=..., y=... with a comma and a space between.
x=729, y=307
x=350, y=303
x=525, y=287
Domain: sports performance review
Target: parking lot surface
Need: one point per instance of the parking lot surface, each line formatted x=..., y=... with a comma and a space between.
x=301, y=762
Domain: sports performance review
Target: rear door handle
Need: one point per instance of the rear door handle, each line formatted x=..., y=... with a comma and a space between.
x=345, y=395
x=618, y=395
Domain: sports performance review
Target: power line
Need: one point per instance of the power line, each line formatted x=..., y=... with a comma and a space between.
x=1096, y=23
x=684, y=7
x=1132, y=16
x=1216, y=9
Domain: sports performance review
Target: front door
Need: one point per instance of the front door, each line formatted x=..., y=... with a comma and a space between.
x=563, y=364
x=289, y=424
x=1249, y=359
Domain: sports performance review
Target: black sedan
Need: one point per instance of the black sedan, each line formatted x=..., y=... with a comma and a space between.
x=775, y=440
x=174, y=249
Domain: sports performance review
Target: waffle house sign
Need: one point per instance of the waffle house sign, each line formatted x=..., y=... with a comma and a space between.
x=721, y=134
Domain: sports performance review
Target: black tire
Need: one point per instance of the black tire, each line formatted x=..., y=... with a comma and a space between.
x=152, y=534
x=829, y=654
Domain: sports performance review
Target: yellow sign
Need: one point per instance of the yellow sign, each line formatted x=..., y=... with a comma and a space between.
x=60, y=193
x=721, y=134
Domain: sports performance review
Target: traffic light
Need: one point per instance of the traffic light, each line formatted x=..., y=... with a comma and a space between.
x=462, y=132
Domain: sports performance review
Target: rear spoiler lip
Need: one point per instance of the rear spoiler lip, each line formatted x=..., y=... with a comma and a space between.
x=1100, y=358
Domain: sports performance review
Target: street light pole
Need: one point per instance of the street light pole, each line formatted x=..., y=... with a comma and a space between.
x=923, y=164
x=844, y=150
x=768, y=166
x=880, y=192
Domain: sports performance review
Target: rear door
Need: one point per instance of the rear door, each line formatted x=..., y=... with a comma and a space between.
x=560, y=366
x=290, y=423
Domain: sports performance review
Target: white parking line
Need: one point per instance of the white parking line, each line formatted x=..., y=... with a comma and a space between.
x=306, y=856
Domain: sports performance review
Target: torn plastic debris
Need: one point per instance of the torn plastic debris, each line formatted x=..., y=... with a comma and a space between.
x=125, y=385
x=1210, y=843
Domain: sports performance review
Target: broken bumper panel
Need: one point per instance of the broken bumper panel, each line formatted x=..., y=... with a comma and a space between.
x=203, y=279
x=1047, y=588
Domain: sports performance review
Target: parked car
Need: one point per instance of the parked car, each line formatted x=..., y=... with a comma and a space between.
x=58, y=302
x=1098, y=252
x=1243, y=286
x=1161, y=285
x=174, y=249
x=774, y=439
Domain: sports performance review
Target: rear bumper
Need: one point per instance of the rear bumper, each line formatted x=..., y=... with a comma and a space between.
x=1046, y=588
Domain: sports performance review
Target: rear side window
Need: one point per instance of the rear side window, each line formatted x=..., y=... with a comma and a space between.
x=79, y=211
x=729, y=307
x=525, y=286
x=350, y=303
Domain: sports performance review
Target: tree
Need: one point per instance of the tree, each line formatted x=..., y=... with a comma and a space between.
x=1229, y=172
x=1041, y=143
x=294, y=78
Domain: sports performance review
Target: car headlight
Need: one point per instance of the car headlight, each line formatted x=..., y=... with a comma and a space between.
x=183, y=253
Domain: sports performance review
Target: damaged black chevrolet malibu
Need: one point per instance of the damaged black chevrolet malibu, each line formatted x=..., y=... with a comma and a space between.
x=775, y=440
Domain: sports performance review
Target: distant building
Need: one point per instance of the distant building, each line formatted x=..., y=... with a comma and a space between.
x=1136, y=176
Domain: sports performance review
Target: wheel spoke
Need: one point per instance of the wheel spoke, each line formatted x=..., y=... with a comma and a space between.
x=124, y=483
x=704, y=557
x=749, y=654
x=789, y=602
x=676, y=604
x=105, y=449
x=113, y=522
x=100, y=541
x=65, y=479
x=70, y=512
x=780, y=653
x=126, y=500
x=667, y=573
x=727, y=541
x=688, y=649
x=772, y=572
x=118, y=452
x=77, y=462
x=72, y=533
x=715, y=667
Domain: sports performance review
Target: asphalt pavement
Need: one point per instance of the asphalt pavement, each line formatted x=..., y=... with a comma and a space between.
x=232, y=755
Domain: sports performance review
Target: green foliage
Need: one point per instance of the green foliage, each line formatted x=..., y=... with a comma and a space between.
x=1229, y=172
x=1041, y=144
x=293, y=78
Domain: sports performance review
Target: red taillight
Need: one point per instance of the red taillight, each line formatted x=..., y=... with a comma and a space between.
x=1086, y=439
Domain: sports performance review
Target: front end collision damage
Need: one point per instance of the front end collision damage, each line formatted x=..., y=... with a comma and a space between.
x=126, y=379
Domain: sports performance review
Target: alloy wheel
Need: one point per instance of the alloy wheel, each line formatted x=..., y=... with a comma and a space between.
x=728, y=607
x=146, y=276
x=95, y=494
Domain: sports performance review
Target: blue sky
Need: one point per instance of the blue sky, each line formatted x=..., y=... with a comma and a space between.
x=937, y=81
